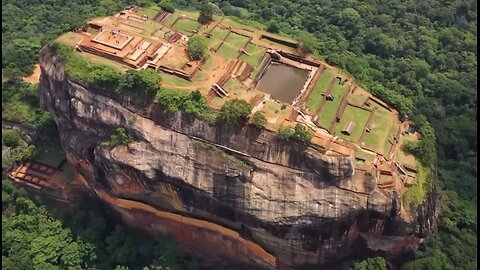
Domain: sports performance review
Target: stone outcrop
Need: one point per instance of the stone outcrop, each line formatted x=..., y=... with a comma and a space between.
x=234, y=192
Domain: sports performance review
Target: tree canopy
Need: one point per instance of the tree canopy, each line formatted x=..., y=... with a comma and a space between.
x=145, y=82
x=197, y=47
x=36, y=237
x=206, y=13
x=234, y=110
x=419, y=56
x=306, y=42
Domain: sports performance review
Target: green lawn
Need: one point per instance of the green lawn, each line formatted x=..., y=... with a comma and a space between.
x=219, y=33
x=356, y=115
x=256, y=68
x=173, y=80
x=381, y=129
x=313, y=100
x=256, y=53
x=213, y=42
x=150, y=12
x=170, y=19
x=329, y=109
x=186, y=25
x=228, y=51
x=234, y=87
x=236, y=41
x=357, y=99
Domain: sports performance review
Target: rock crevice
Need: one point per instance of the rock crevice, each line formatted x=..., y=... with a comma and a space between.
x=290, y=200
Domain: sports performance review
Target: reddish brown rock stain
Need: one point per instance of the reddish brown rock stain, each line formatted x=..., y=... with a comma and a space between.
x=193, y=234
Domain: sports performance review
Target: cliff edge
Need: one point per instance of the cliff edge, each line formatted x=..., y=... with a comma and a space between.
x=226, y=191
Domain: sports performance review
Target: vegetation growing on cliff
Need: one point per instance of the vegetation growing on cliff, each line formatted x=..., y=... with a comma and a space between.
x=11, y=138
x=418, y=56
x=20, y=104
x=174, y=100
x=145, y=82
x=234, y=110
x=421, y=58
x=300, y=133
x=224, y=154
x=259, y=120
x=120, y=137
x=138, y=83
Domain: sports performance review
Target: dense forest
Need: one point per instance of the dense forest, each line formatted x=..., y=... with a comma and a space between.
x=419, y=56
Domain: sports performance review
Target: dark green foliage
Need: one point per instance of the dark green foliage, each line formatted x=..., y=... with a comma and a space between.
x=20, y=104
x=27, y=26
x=174, y=100
x=272, y=27
x=300, y=134
x=11, y=138
x=125, y=249
x=306, y=42
x=197, y=47
x=206, y=13
x=259, y=120
x=120, y=137
x=285, y=133
x=234, y=110
x=167, y=6
x=103, y=76
x=376, y=263
x=34, y=238
x=139, y=83
x=419, y=57
x=144, y=82
x=28, y=153
x=79, y=69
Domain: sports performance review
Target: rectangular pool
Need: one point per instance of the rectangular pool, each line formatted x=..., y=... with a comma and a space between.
x=283, y=82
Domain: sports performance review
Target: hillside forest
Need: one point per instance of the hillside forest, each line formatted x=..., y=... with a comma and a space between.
x=418, y=56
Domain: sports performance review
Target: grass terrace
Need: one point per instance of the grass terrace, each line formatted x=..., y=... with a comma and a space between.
x=358, y=116
x=186, y=26
x=235, y=87
x=228, y=51
x=358, y=97
x=231, y=45
x=401, y=156
x=172, y=80
x=256, y=53
x=150, y=12
x=236, y=41
x=271, y=110
x=219, y=33
x=383, y=126
x=329, y=110
x=170, y=19
x=213, y=42
x=313, y=100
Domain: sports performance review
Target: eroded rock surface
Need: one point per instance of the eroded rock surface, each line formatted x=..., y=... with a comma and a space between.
x=290, y=205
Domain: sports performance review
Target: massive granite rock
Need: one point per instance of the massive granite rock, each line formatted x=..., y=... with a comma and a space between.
x=234, y=192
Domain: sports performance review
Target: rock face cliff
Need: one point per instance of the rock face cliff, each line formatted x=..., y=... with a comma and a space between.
x=234, y=192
